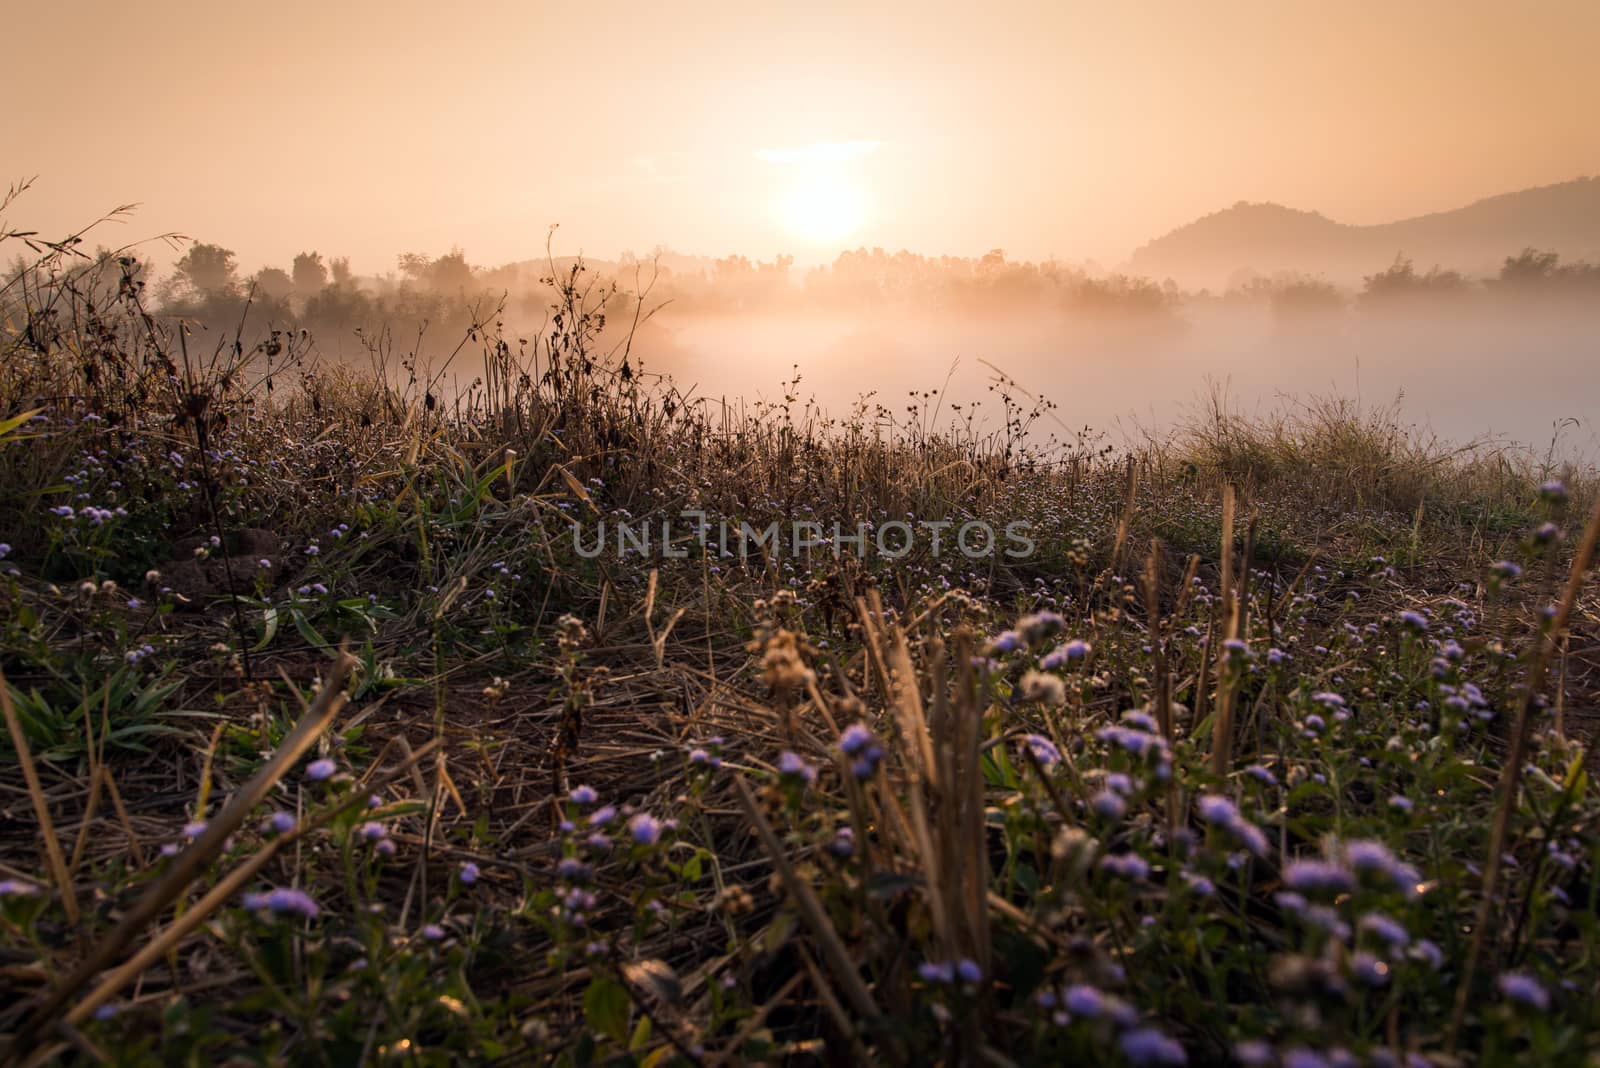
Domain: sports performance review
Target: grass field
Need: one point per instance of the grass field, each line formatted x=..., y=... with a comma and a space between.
x=328, y=743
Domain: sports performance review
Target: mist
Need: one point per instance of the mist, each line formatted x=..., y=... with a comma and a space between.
x=1072, y=351
x=1518, y=375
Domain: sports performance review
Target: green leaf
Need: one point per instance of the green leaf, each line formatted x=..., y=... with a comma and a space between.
x=9, y=425
x=396, y=809
x=308, y=632
x=269, y=629
x=605, y=1006
x=1028, y=879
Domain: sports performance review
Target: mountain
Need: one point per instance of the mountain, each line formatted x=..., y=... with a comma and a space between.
x=1269, y=238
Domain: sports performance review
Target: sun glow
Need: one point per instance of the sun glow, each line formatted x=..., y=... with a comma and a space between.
x=821, y=198
x=823, y=207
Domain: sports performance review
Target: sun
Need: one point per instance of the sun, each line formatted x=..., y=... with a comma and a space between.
x=823, y=206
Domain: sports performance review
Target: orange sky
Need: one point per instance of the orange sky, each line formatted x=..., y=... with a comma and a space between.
x=1078, y=129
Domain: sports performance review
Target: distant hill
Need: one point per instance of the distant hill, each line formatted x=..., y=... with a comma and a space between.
x=1268, y=238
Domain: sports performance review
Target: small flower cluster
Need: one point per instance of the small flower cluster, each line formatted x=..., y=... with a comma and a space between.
x=1084, y=1006
x=861, y=749
x=794, y=769
x=708, y=754
x=1224, y=815
x=282, y=901
x=963, y=971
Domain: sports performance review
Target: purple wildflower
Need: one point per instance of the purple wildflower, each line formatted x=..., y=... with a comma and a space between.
x=1366, y=856
x=792, y=765
x=1525, y=990
x=867, y=763
x=1261, y=774
x=1369, y=970
x=1070, y=652
x=1108, y=804
x=854, y=739
x=1145, y=1046
x=1385, y=929
x=1317, y=877
x=1428, y=953
x=1140, y=720
x=1252, y=1053
x=1250, y=836
x=1216, y=809
x=1301, y=1057
x=1007, y=642
x=1043, y=749
x=1130, y=866
x=282, y=900
x=1077, y=649
x=1083, y=1000
x=645, y=828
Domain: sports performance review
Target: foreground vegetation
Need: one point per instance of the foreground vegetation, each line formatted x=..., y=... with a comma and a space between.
x=326, y=744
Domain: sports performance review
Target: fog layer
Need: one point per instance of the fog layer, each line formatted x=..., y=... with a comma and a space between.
x=1527, y=374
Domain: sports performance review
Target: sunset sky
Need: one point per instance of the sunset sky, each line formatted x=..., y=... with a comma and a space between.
x=1074, y=129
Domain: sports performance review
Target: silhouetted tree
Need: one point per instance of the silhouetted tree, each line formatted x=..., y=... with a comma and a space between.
x=1298, y=297
x=1534, y=272
x=209, y=270
x=309, y=274
x=450, y=273
x=273, y=283
x=414, y=267
x=1401, y=280
x=340, y=306
x=1530, y=265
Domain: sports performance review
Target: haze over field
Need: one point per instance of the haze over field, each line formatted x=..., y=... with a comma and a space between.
x=1086, y=142
x=1450, y=376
